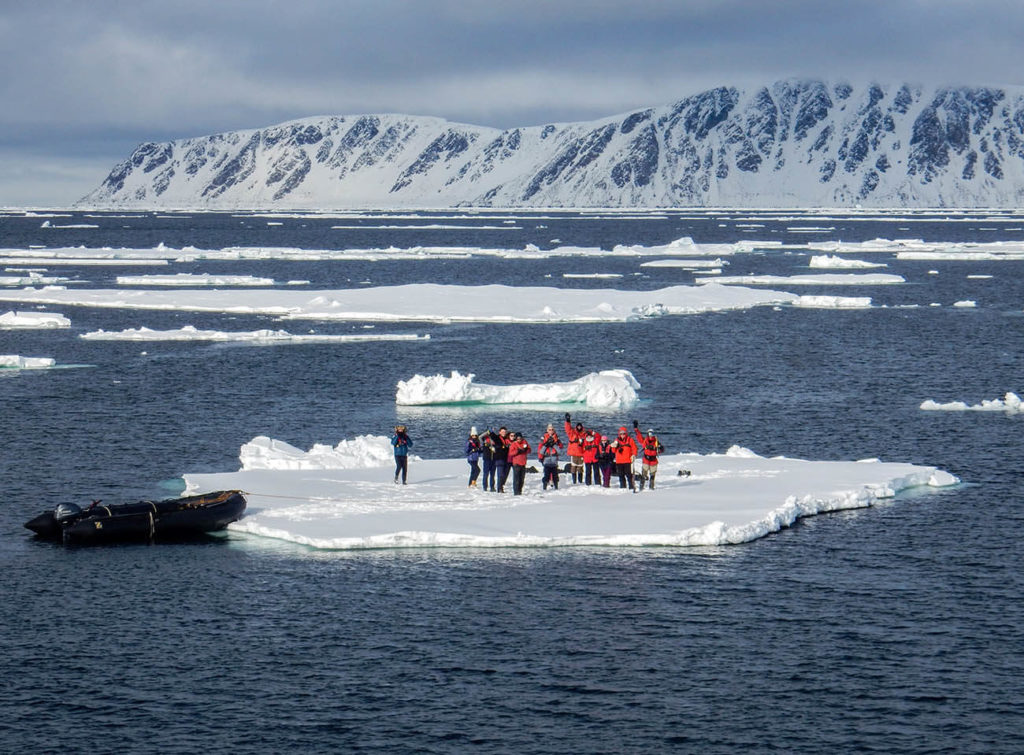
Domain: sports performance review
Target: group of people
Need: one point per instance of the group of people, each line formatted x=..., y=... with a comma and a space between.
x=593, y=457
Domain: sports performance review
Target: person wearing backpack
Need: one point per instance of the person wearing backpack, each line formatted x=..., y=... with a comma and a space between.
x=650, y=447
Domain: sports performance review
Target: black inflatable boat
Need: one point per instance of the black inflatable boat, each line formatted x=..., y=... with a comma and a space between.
x=141, y=521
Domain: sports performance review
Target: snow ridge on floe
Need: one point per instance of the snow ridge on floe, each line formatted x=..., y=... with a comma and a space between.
x=608, y=389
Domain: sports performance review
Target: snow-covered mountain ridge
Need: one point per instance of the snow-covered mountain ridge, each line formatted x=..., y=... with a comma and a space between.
x=793, y=143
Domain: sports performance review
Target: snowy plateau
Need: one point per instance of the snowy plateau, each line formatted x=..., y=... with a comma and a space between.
x=793, y=143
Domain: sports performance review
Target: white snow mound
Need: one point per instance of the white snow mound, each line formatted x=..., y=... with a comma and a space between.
x=608, y=389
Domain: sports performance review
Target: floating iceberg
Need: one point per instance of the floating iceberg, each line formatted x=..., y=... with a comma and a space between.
x=33, y=320
x=608, y=389
x=344, y=497
x=1010, y=403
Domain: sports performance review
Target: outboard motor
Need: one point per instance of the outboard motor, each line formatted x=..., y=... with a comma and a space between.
x=65, y=511
x=49, y=524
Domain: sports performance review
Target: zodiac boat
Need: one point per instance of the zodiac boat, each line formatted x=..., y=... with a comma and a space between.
x=140, y=521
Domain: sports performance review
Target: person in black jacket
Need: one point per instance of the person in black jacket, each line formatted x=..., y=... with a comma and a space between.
x=487, y=453
x=501, y=441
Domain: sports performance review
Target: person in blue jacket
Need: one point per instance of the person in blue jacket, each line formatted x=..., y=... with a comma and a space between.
x=402, y=443
x=473, y=451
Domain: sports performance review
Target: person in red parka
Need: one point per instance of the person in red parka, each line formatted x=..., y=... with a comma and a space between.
x=518, y=452
x=625, y=452
x=591, y=447
x=650, y=447
x=576, y=436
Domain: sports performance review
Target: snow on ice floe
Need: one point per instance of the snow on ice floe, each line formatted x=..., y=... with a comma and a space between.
x=833, y=302
x=826, y=261
x=425, y=302
x=819, y=279
x=608, y=389
x=264, y=336
x=965, y=304
x=344, y=497
x=1010, y=404
x=33, y=320
x=15, y=362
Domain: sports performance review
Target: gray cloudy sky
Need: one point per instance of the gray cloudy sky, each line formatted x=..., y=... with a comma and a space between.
x=84, y=82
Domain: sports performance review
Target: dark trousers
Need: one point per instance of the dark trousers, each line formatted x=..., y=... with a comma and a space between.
x=401, y=467
x=550, y=476
x=625, y=473
x=474, y=471
x=489, y=468
x=501, y=470
x=518, y=478
x=606, y=473
x=593, y=469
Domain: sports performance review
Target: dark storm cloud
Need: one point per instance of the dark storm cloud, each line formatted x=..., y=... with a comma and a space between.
x=81, y=76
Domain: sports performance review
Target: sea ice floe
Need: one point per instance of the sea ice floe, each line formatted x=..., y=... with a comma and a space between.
x=33, y=320
x=425, y=302
x=265, y=336
x=833, y=302
x=15, y=362
x=186, y=280
x=32, y=279
x=344, y=497
x=1010, y=403
x=687, y=264
x=819, y=279
x=608, y=389
x=830, y=261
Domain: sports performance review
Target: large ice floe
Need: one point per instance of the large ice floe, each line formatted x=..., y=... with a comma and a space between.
x=31, y=320
x=263, y=336
x=608, y=389
x=818, y=279
x=163, y=254
x=1010, y=403
x=344, y=497
x=186, y=280
x=426, y=302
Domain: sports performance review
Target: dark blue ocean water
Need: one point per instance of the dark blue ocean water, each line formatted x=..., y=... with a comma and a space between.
x=890, y=629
